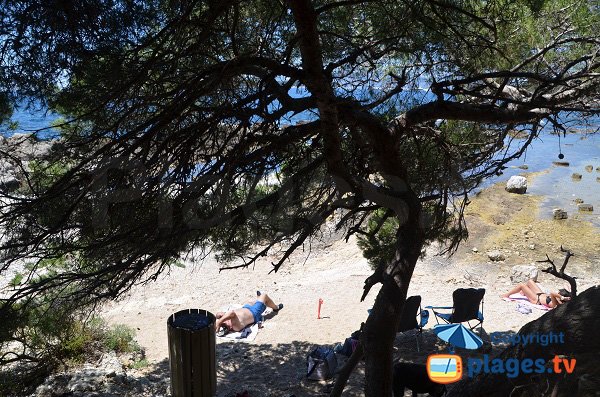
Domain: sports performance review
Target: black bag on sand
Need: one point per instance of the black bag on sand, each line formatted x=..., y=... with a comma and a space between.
x=321, y=363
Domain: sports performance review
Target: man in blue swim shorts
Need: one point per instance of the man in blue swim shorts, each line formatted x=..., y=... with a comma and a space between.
x=238, y=319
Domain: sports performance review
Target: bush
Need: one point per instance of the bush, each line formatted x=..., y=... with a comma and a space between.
x=380, y=244
x=142, y=363
x=121, y=339
x=40, y=337
x=51, y=335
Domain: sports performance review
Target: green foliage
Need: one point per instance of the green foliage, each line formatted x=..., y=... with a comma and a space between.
x=17, y=280
x=211, y=106
x=52, y=330
x=54, y=335
x=121, y=339
x=141, y=363
x=44, y=174
x=379, y=244
x=45, y=334
x=81, y=342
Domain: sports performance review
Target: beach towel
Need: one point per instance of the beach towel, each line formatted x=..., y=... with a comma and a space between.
x=248, y=334
x=524, y=308
x=522, y=299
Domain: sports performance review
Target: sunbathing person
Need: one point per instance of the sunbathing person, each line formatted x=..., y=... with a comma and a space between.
x=238, y=319
x=538, y=297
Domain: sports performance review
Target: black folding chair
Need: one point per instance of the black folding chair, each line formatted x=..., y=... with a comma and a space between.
x=413, y=317
x=465, y=309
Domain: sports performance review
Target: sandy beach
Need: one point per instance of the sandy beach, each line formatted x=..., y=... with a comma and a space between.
x=274, y=364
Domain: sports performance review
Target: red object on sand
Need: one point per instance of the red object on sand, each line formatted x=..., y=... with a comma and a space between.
x=319, y=311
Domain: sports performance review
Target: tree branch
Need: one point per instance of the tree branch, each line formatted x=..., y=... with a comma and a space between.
x=344, y=373
x=466, y=112
x=376, y=277
x=561, y=274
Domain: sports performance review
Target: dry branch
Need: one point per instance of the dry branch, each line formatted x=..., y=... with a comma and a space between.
x=561, y=274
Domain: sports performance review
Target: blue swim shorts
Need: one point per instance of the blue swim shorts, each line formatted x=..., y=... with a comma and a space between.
x=256, y=309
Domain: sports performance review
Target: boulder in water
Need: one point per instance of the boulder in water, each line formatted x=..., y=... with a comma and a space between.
x=559, y=213
x=516, y=184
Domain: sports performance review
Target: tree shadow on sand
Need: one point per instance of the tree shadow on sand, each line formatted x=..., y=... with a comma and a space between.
x=265, y=370
x=280, y=369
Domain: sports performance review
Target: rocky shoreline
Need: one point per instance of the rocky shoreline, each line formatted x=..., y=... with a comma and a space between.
x=110, y=376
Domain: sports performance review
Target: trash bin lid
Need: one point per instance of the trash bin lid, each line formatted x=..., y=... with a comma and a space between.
x=191, y=321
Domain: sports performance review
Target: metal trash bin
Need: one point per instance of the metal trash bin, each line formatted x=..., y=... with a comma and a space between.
x=192, y=353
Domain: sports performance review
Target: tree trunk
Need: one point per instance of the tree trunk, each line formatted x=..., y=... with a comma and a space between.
x=579, y=321
x=380, y=328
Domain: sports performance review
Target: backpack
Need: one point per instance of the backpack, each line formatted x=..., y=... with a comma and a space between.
x=347, y=348
x=321, y=363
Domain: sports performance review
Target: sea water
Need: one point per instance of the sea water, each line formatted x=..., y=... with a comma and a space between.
x=556, y=185
x=34, y=119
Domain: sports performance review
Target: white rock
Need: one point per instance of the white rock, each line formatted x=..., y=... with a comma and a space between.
x=496, y=256
x=8, y=176
x=522, y=273
x=26, y=147
x=110, y=365
x=516, y=184
x=9, y=183
x=80, y=385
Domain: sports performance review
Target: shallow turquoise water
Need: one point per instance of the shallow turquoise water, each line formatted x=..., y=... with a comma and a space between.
x=559, y=189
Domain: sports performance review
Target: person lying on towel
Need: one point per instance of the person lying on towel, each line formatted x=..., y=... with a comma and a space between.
x=538, y=297
x=238, y=319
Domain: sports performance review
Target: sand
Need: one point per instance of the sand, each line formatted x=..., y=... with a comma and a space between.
x=274, y=364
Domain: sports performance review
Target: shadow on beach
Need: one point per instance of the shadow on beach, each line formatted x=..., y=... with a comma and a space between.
x=280, y=369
